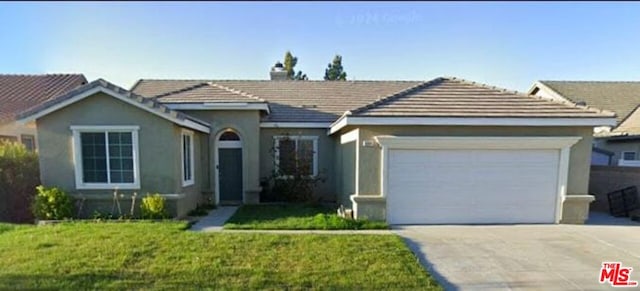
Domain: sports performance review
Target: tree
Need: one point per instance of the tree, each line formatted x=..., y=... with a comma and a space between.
x=335, y=72
x=289, y=65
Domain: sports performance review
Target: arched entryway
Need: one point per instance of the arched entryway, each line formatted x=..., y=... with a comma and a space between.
x=229, y=167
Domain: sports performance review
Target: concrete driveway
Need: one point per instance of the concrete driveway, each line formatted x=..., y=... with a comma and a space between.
x=532, y=257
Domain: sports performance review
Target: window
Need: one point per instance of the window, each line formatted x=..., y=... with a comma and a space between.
x=297, y=153
x=29, y=141
x=629, y=156
x=187, y=158
x=106, y=157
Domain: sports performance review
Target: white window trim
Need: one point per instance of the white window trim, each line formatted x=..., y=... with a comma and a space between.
x=277, y=139
x=77, y=156
x=187, y=133
x=635, y=155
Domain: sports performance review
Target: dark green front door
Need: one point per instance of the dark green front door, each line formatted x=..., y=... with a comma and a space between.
x=230, y=174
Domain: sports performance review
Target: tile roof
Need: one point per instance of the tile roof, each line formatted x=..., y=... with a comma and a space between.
x=207, y=92
x=629, y=126
x=289, y=101
x=149, y=103
x=617, y=96
x=453, y=97
x=21, y=92
x=326, y=101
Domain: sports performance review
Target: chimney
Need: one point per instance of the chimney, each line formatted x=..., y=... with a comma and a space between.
x=278, y=73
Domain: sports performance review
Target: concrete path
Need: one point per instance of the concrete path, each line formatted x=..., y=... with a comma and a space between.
x=215, y=220
x=312, y=231
x=525, y=257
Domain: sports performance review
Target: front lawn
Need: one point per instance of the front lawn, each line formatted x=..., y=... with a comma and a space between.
x=295, y=216
x=161, y=255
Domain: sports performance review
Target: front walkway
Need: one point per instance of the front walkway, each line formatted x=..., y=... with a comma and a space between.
x=215, y=220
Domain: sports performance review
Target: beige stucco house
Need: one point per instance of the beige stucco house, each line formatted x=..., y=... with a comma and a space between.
x=21, y=92
x=408, y=152
x=617, y=145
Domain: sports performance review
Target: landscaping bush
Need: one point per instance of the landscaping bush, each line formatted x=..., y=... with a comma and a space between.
x=52, y=203
x=19, y=176
x=153, y=207
x=296, y=184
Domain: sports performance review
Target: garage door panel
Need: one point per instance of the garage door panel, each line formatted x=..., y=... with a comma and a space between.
x=472, y=186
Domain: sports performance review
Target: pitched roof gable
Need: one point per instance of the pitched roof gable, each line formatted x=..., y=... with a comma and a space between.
x=454, y=97
x=21, y=92
x=207, y=92
x=621, y=97
x=290, y=101
x=110, y=89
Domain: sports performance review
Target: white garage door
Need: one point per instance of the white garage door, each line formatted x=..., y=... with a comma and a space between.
x=472, y=186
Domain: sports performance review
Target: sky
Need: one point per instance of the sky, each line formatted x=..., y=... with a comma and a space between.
x=510, y=45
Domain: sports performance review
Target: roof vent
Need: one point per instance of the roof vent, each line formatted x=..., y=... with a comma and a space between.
x=308, y=106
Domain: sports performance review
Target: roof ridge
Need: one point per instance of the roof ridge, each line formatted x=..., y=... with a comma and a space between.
x=188, y=88
x=515, y=92
x=146, y=101
x=588, y=81
x=41, y=75
x=236, y=91
x=265, y=80
x=394, y=96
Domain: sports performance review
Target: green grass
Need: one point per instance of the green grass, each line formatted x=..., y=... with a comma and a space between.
x=295, y=216
x=161, y=255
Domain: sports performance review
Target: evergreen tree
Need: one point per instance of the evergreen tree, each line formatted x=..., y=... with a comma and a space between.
x=289, y=65
x=335, y=71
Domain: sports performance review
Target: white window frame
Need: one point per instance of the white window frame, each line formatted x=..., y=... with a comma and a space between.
x=297, y=138
x=77, y=156
x=189, y=134
x=635, y=155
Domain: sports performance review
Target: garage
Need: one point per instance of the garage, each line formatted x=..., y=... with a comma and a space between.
x=459, y=180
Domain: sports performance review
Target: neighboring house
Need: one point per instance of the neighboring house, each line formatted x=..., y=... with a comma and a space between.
x=408, y=152
x=21, y=92
x=623, y=98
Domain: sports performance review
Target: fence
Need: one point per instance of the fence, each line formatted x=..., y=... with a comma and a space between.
x=605, y=179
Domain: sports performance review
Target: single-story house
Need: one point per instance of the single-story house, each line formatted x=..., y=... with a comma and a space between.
x=21, y=92
x=408, y=152
x=621, y=97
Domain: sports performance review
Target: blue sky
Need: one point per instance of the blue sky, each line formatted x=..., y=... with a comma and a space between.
x=504, y=44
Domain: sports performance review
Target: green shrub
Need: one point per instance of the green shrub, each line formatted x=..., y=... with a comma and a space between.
x=153, y=207
x=19, y=176
x=52, y=203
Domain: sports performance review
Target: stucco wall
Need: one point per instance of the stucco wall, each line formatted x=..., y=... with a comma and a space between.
x=347, y=164
x=159, y=145
x=326, y=156
x=369, y=203
x=247, y=124
x=579, y=161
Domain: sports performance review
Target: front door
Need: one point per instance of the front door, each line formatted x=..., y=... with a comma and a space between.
x=230, y=168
